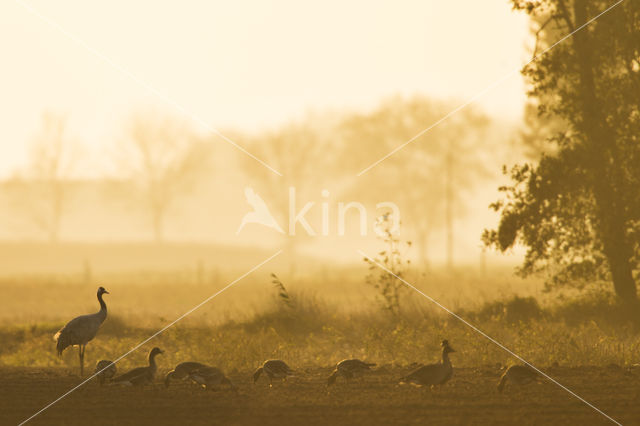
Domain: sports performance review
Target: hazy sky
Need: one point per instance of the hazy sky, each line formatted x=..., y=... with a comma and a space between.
x=245, y=64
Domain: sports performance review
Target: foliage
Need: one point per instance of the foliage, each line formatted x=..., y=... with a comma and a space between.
x=283, y=294
x=577, y=210
x=513, y=310
x=387, y=281
x=437, y=171
x=567, y=334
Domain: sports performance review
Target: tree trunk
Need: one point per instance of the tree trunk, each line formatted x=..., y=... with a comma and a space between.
x=607, y=181
x=449, y=207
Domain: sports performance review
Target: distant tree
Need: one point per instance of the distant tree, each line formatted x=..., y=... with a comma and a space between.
x=430, y=178
x=163, y=158
x=40, y=193
x=304, y=153
x=577, y=209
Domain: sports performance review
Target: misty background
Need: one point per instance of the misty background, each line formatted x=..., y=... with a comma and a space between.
x=90, y=159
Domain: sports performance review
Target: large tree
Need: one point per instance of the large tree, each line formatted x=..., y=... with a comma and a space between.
x=577, y=210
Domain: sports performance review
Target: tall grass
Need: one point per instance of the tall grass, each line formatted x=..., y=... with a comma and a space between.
x=299, y=323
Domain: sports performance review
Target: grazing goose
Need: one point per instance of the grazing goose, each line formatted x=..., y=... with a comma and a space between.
x=81, y=330
x=207, y=377
x=433, y=374
x=518, y=374
x=274, y=368
x=105, y=370
x=349, y=368
x=210, y=377
x=182, y=371
x=141, y=375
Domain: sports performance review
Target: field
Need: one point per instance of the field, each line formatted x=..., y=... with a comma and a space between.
x=584, y=344
x=470, y=398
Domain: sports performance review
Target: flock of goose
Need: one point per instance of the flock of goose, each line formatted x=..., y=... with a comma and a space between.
x=81, y=330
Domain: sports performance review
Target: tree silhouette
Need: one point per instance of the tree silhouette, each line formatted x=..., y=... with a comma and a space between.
x=41, y=191
x=430, y=178
x=304, y=153
x=578, y=209
x=163, y=159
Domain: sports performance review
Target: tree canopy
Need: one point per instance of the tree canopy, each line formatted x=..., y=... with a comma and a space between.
x=577, y=209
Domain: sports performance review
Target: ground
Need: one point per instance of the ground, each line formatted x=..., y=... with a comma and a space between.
x=470, y=398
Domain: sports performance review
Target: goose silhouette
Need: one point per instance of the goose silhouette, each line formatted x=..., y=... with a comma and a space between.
x=260, y=214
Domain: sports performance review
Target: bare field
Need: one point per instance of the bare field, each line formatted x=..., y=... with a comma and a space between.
x=469, y=398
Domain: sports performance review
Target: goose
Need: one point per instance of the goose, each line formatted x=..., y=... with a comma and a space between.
x=182, y=371
x=141, y=375
x=105, y=370
x=518, y=374
x=434, y=374
x=210, y=377
x=274, y=368
x=348, y=369
x=202, y=374
x=81, y=330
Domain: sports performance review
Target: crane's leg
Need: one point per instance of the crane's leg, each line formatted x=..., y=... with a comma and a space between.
x=80, y=358
x=81, y=349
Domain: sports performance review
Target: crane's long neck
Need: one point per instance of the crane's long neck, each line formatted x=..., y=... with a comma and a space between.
x=102, y=313
x=103, y=306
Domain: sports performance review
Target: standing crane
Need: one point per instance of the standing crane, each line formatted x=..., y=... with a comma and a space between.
x=81, y=330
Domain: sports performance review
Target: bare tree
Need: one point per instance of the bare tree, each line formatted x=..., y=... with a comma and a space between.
x=41, y=191
x=304, y=153
x=163, y=158
x=431, y=178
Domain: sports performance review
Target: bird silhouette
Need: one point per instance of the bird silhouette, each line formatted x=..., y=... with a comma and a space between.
x=141, y=375
x=349, y=368
x=274, y=369
x=434, y=374
x=81, y=330
x=260, y=214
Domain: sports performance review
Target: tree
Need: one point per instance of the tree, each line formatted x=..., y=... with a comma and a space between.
x=578, y=209
x=303, y=152
x=41, y=192
x=162, y=156
x=430, y=178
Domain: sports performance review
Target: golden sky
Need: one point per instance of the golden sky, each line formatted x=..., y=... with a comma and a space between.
x=245, y=64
